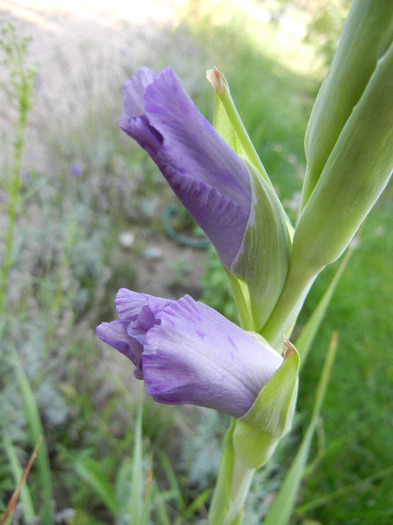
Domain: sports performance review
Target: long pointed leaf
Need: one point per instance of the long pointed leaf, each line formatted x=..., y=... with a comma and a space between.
x=36, y=430
x=281, y=510
x=137, y=484
x=91, y=471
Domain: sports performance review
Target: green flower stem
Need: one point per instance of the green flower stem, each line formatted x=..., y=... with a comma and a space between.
x=23, y=83
x=367, y=34
x=233, y=482
x=354, y=176
x=289, y=304
x=241, y=296
x=251, y=440
x=14, y=188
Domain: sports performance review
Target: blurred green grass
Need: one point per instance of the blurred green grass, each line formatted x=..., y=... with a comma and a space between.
x=274, y=102
x=61, y=285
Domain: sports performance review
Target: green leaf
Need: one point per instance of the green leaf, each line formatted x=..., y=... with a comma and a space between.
x=17, y=471
x=137, y=482
x=36, y=430
x=281, y=510
x=366, y=36
x=257, y=433
x=95, y=474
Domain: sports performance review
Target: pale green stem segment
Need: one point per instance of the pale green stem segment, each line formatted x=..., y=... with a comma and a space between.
x=367, y=34
x=352, y=180
x=251, y=440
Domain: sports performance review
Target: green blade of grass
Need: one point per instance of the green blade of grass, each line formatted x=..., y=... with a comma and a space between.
x=145, y=516
x=93, y=473
x=342, y=491
x=159, y=500
x=17, y=471
x=36, y=430
x=281, y=510
x=197, y=503
x=137, y=471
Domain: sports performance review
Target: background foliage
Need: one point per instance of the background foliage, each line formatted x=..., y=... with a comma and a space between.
x=81, y=186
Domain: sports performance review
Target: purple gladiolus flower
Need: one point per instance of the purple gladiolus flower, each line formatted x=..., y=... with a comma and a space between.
x=187, y=353
x=208, y=177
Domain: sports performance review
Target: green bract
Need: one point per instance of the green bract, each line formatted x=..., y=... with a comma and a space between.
x=263, y=264
x=269, y=419
x=258, y=273
x=251, y=440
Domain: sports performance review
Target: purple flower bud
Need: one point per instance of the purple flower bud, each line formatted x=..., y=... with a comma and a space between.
x=208, y=177
x=76, y=169
x=186, y=352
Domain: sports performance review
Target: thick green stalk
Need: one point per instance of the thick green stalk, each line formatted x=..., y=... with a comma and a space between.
x=289, y=304
x=367, y=34
x=14, y=187
x=251, y=440
x=232, y=485
x=353, y=178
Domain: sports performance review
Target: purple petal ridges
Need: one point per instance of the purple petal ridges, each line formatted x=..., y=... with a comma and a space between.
x=208, y=177
x=186, y=352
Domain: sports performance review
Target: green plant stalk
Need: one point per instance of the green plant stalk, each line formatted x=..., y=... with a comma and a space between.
x=355, y=175
x=255, y=294
x=367, y=34
x=310, y=329
x=289, y=304
x=36, y=430
x=25, y=91
x=25, y=496
x=252, y=439
x=230, y=477
x=136, y=496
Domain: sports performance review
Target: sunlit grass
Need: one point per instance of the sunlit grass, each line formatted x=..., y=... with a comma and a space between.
x=67, y=253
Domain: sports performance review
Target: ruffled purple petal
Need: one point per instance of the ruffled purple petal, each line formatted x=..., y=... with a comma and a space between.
x=134, y=91
x=209, y=178
x=186, y=352
x=129, y=304
x=196, y=356
x=115, y=334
